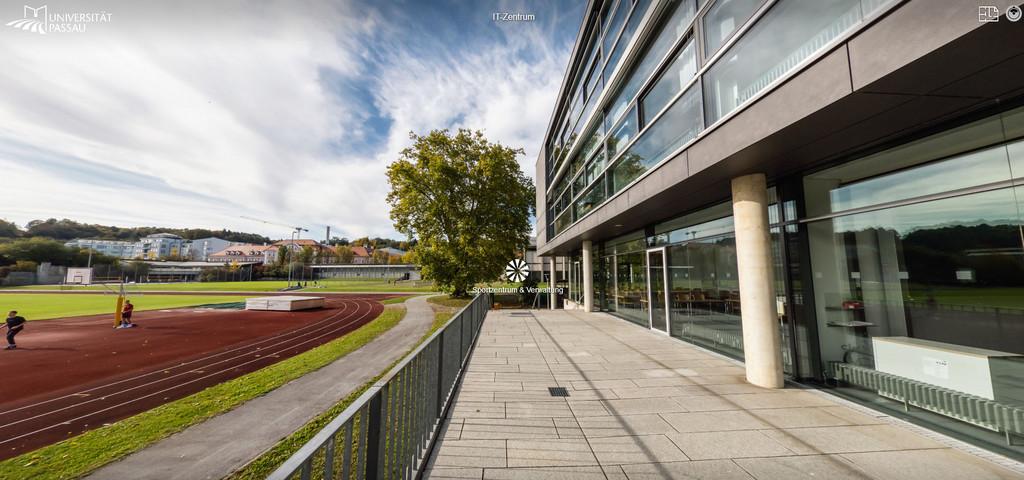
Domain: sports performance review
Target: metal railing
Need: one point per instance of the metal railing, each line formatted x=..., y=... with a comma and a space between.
x=389, y=430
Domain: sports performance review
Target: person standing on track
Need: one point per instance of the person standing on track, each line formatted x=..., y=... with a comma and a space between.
x=126, y=314
x=14, y=325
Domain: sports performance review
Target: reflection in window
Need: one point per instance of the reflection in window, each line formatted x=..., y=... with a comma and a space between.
x=722, y=19
x=704, y=294
x=623, y=133
x=945, y=275
x=674, y=26
x=671, y=82
x=589, y=200
x=630, y=296
x=627, y=33
x=678, y=125
x=791, y=32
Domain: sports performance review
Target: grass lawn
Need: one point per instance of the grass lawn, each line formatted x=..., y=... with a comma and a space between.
x=42, y=306
x=262, y=466
x=446, y=301
x=1002, y=297
x=346, y=285
x=80, y=455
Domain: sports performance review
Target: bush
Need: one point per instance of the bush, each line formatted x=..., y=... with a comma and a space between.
x=25, y=266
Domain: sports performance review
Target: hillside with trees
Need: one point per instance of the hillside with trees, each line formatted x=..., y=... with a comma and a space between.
x=66, y=229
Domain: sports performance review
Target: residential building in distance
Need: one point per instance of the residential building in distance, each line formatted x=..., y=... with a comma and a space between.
x=200, y=249
x=159, y=245
x=113, y=248
x=244, y=253
x=827, y=190
x=362, y=255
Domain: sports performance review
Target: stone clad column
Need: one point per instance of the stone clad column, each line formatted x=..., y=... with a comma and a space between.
x=761, y=342
x=551, y=283
x=588, y=276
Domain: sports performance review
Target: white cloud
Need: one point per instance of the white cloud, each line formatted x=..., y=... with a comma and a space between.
x=226, y=104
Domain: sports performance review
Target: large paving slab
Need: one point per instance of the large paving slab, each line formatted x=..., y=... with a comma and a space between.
x=641, y=405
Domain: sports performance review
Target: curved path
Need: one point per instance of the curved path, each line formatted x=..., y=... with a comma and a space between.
x=215, y=448
x=72, y=375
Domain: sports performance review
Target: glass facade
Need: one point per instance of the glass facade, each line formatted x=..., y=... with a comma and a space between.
x=918, y=276
x=899, y=275
x=661, y=101
x=906, y=265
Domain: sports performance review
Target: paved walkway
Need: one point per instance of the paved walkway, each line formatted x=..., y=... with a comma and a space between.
x=645, y=406
x=223, y=444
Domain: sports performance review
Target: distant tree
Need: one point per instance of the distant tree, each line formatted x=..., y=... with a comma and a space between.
x=66, y=229
x=467, y=203
x=39, y=250
x=283, y=254
x=409, y=258
x=8, y=229
x=344, y=254
x=339, y=241
x=306, y=255
x=380, y=257
x=24, y=266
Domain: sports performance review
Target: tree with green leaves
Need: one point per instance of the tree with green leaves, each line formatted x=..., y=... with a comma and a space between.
x=465, y=201
x=344, y=254
x=8, y=229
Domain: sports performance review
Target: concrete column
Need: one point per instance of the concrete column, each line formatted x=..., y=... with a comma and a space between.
x=588, y=276
x=551, y=283
x=761, y=343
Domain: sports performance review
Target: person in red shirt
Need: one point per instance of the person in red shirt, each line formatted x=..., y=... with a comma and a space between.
x=126, y=315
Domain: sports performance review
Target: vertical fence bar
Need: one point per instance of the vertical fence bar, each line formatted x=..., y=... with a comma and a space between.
x=374, y=439
x=346, y=450
x=329, y=459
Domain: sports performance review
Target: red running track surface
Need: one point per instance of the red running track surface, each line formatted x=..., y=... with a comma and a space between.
x=75, y=374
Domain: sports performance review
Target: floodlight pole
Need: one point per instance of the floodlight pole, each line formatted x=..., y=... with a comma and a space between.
x=288, y=258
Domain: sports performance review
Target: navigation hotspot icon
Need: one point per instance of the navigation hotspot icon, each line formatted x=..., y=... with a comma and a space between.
x=517, y=270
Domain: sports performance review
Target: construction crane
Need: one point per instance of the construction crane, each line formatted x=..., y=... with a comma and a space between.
x=296, y=233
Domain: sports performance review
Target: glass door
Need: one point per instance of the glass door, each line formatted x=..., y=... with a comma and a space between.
x=657, y=296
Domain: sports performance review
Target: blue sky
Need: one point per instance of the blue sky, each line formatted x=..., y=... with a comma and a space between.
x=194, y=114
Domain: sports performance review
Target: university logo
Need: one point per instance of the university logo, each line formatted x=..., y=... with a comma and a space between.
x=33, y=20
x=42, y=21
x=517, y=270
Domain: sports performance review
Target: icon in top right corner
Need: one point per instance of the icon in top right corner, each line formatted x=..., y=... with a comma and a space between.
x=1014, y=13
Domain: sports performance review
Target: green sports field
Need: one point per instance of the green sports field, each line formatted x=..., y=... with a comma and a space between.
x=256, y=286
x=42, y=306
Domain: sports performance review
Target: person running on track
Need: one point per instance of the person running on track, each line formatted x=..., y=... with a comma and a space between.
x=126, y=314
x=14, y=325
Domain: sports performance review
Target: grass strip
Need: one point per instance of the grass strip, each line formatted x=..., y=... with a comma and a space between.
x=80, y=455
x=345, y=285
x=43, y=306
x=446, y=301
x=263, y=465
x=402, y=299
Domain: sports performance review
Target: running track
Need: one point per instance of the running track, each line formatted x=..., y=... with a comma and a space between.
x=72, y=375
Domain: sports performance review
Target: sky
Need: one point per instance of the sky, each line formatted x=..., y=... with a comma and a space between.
x=194, y=114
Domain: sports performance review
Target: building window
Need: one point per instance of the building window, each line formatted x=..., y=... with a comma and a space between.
x=919, y=276
x=678, y=125
x=789, y=33
x=670, y=82
x=673, y=27
x=723, y=19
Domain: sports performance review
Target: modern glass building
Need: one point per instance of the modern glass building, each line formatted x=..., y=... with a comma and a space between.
x=829, y=190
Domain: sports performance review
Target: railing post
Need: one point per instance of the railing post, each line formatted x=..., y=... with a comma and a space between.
x=440, y=374
x=374, y=437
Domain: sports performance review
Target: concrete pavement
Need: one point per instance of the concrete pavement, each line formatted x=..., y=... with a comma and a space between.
x=642, y=405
